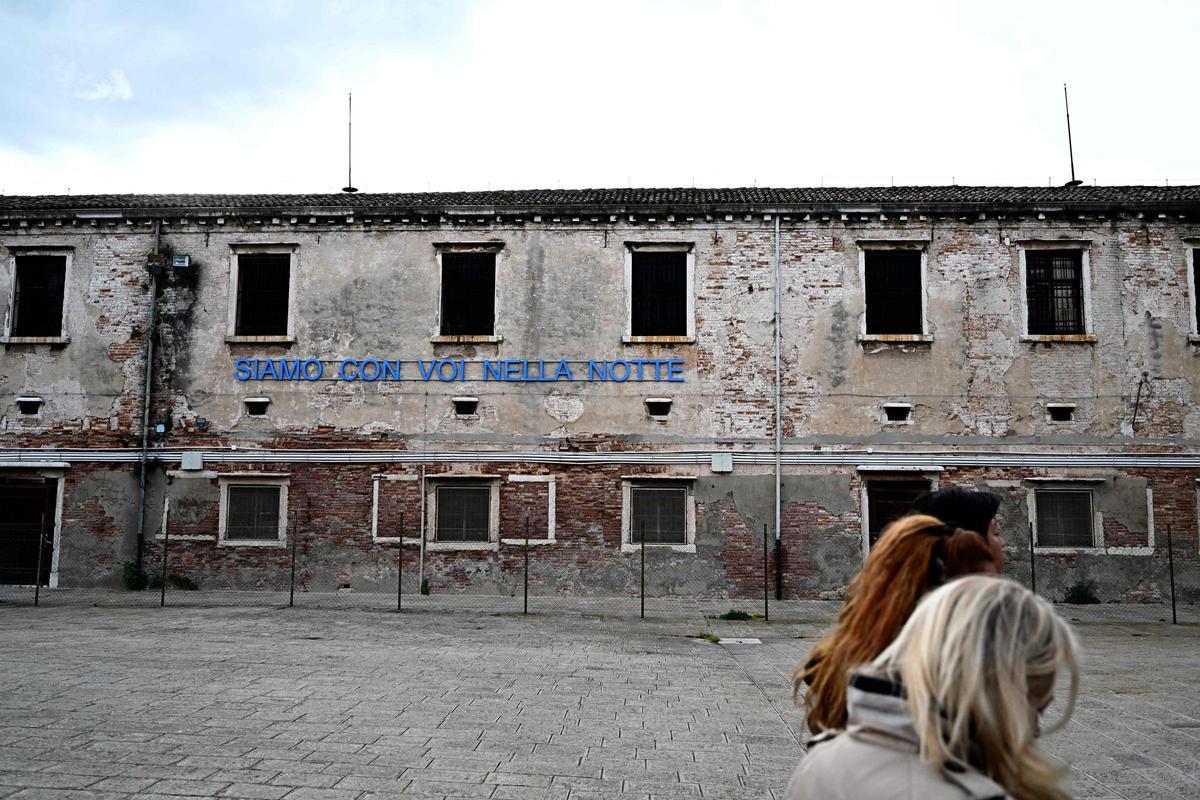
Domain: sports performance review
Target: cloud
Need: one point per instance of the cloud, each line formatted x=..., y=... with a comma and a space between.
x=115, y=88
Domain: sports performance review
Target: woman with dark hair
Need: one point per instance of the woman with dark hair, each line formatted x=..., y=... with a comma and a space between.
x=969, y=509
x=915, y=555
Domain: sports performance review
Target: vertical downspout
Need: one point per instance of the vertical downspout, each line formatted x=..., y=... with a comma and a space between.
x=424, y=446
x=146, y=387
x=778, y=401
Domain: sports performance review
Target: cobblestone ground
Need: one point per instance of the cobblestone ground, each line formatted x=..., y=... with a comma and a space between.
x=297, y=704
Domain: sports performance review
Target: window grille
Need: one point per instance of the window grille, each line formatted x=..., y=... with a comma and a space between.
x=659, y=511
x=893, y=291
x=1064, y=518
x=464, y=513
x=659, y=287
x=262, y=294
x=887, y=501
x=468, y=294
x=1196, y=284
x=1054, y=291
x=38, y=296
x=253, y=513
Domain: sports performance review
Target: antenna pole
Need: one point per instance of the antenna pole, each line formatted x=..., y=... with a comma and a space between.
x=1070, y=145
x=349, y=187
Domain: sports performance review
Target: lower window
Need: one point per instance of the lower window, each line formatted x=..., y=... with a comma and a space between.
x=888, y=500
x=464, y=513
x=659, y=513
x=1064, y=518
x=253, y=512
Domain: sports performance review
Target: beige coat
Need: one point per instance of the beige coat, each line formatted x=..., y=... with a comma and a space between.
x=876, y=757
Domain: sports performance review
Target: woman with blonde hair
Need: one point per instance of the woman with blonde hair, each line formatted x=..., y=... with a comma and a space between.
x=951, y=709
x=914, y=555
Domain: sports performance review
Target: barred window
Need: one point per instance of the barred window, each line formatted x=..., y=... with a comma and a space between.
x=464, y=513
x=253, y=513
x=1054, y=291
x=893, y=291
x=468, y=294
x=262, y=294
x=1064, y=518
x=38, y=295
x=888, y=500
x=1196, y=285
x=660, y=512
x=659, y=293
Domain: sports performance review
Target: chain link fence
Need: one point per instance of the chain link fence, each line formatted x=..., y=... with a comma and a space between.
x=525, y=576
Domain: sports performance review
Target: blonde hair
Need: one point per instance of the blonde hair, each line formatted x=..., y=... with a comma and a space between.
x=915, y=554
x=967, y=659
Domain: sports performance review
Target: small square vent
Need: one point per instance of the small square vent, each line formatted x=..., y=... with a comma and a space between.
x=465, y=406
x=257, y=406
x=29, y=406
x=897, y=412
x=1061, y=412
x=659, y=407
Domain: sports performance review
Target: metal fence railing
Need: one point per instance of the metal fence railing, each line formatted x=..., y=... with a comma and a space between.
x=314, y=569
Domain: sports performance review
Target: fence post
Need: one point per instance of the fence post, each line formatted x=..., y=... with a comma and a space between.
x=526, y=608
x=292, y=582
x=400, y=565
x=162, y=596
x=1171, y=572
x=643, y=526
x=37, y=579
x=1032, y=563
x=766, y=579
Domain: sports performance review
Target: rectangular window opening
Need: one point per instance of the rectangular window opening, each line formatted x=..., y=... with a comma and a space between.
x=253, y=513
x=893, y=291
x=40, y=283
x=1054, y=292
x=468, y=294
x=658, y=512
x=659, y=293
x=897, y=412
x=464, y=513
x=257, y=406
x=1064, y=518
x=466, y=406
x=263, y=281
x=1196, y=287
x=1061, y=412
x=888, y=500
x=27, y=522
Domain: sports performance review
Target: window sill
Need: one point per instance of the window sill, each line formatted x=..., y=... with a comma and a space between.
x=443, y=339
x=895, y=338
x=659, y=548
x=521, y=542
x=1068, y=551
x=51, y=340
x=658, y=339
x=189, y=537
x=252, y=543
x=1061, y=338
x=434, y=546
x=286, y=341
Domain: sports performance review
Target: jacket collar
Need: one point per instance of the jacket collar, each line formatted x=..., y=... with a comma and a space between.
x=878, y=711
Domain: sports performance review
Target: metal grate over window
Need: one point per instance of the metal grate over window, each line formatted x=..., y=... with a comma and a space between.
x=464, y=513
x=1064, y=518
x=38, y=296
x=253, y=513
x=659, y=511
x=659, y=304
x=262, y=294
x=893, y=291
x=468, y=294
x=1196, y=284
x=887, y=501
x=1054, y=291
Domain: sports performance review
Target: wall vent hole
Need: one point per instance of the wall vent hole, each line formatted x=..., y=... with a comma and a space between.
x=29, y=406
x=659, y=407
x=896, y=412
x=466, y=406
x=1061, y=413
x=257, y=406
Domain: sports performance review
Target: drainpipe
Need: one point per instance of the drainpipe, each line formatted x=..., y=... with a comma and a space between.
x=146, y=387
x=778, y=420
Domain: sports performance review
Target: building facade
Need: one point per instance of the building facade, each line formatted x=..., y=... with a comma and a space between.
x=698, y=371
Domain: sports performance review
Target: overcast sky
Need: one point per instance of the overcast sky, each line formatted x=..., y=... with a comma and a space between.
x=103, y=96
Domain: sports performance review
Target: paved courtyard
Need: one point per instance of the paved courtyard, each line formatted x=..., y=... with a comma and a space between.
x=298, y=704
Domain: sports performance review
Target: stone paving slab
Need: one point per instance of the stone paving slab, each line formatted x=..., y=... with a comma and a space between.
x=289, y=704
